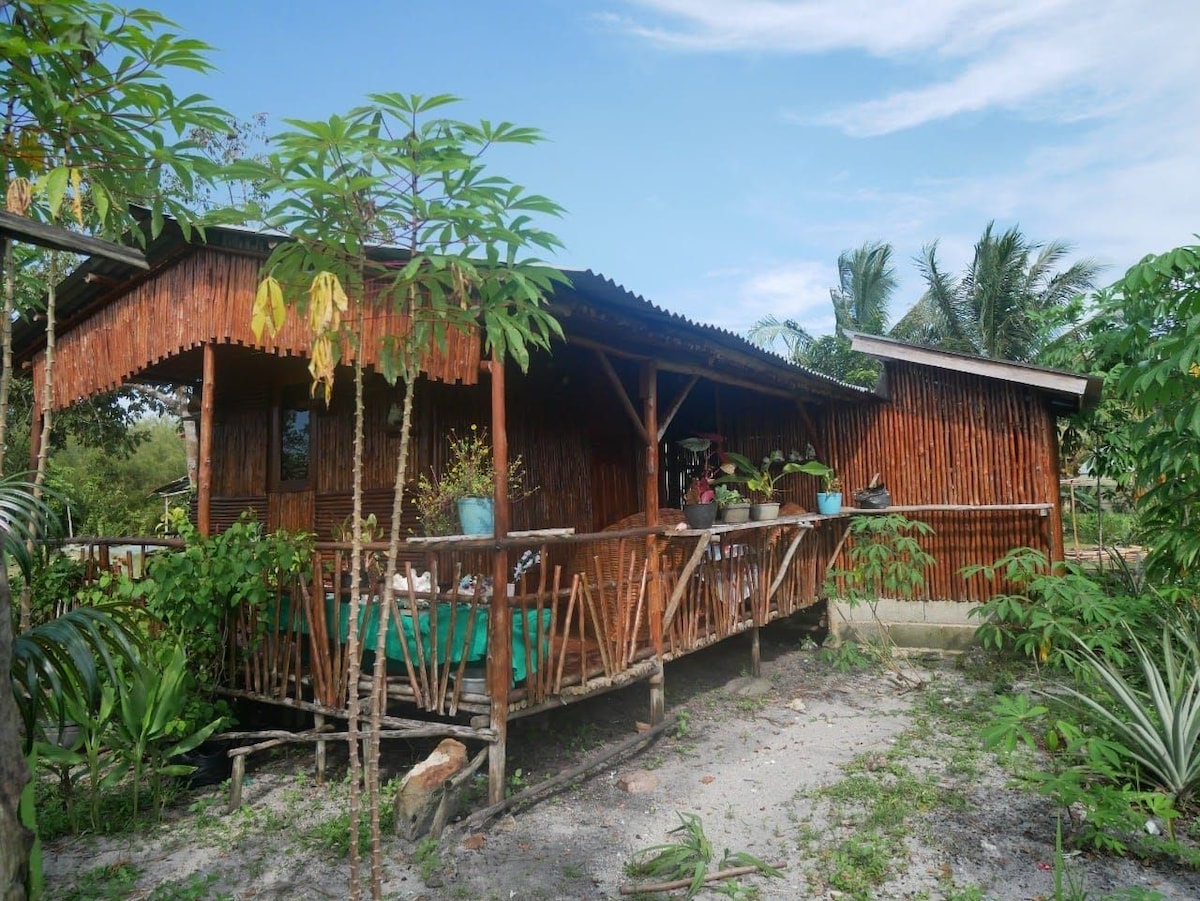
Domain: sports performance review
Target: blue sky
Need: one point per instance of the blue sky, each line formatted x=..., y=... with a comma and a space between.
x=715, y=156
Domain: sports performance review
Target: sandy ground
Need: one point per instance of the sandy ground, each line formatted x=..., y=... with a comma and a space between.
x=750, y=763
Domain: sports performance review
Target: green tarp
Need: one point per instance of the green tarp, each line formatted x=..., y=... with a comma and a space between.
x=474, y=647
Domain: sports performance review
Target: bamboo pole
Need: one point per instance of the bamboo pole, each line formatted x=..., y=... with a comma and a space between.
x=208, y=392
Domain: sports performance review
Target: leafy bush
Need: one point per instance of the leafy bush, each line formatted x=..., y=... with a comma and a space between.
x=193, y=591
x=1054, y=607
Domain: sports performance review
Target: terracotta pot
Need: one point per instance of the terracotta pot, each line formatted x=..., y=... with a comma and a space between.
x=761, y=512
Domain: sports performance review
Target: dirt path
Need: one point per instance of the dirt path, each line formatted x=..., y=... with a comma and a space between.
x=754, y=760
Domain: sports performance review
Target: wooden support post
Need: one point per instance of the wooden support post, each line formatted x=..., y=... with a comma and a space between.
x=649, y=392
x=658, y=694
x=499, y=646
x=235, y=782
x=207, y=405
x=318, y=724
x=755, y=649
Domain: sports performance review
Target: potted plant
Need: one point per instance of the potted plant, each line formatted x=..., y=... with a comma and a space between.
x=461, y=499
x=829, y=501
x=733, y=506
x=700, y=503
x=762, y=479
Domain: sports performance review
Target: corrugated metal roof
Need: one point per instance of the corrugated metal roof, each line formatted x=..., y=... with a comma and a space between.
x=96, y=281
x=595, y=285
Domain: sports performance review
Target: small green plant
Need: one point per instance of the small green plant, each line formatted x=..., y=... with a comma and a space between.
x=516, y=781
x=683, y=722
x=469, y=472
x=886, y=560
x=727, y=496
x=428, y=858
x=147, y=727
x=762, y=479
x=110, y=883
x=845, y=657
x=688, y=858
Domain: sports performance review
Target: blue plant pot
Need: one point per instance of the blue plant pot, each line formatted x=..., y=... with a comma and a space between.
x=477, y=515
x=829, y=503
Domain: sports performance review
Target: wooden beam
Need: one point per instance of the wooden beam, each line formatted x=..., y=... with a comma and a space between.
x=623, y=396
x=714, y=375
x=666, y=421
x=685, y=576
x=19, y=228
x=208, y=392
x=787, y=559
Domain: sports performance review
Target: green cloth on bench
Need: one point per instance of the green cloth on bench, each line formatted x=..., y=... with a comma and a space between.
x=459, y=644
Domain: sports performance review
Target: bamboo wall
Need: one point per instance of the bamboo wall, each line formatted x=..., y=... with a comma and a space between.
x=204, y=297
x=951, y=438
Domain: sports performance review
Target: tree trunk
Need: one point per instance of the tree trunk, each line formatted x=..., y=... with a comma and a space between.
x=6, y=342
x=15, y=840
x=353, y=650
x=379, y=681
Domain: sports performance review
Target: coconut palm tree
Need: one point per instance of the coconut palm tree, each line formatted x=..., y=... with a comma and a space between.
x=1011, y=301
x=866, y=280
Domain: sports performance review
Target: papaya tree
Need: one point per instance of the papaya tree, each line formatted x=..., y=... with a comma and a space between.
x=88, y=126
x=1147, y=329
x=395, y=172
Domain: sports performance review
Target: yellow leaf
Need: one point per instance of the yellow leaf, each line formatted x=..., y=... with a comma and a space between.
x=321, y=366
x=77, y=194
x=268, y=313
x=19, y=196
x=327, y=300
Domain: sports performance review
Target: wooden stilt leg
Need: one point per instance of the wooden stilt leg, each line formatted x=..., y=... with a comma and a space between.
x=235, y=782
x=318, y=722
x=755, y=652
x=658, y=696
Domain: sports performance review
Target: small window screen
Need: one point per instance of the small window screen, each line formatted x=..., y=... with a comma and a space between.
x=293, y=437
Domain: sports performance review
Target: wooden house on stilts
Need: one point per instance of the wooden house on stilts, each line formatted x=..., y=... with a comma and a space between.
x=619, y=587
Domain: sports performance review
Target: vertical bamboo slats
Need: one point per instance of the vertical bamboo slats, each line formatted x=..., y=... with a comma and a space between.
x=205, y=296
x=953, y=438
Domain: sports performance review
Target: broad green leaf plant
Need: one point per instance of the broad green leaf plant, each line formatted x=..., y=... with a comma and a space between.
x=390, y=207
x=1148, y=331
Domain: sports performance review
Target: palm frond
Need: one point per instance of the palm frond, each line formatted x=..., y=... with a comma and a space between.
x=73, y=654
x=24, y=518
x=769, y=331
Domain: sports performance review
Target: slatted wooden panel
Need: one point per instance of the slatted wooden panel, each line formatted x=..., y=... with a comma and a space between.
x=952, y=438
x=202, y=297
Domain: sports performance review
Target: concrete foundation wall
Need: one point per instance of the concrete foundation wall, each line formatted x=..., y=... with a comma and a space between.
x=937, y=625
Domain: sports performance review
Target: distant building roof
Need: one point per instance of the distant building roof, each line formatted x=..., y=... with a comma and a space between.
x=1068, y=391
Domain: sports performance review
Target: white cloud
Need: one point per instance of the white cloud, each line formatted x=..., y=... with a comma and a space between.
x=796, y=290
x=1048, y=58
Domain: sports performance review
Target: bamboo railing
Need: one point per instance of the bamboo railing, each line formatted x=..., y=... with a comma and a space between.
x=581, y=615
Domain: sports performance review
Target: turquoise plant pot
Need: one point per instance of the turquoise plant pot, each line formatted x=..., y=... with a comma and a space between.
x=476, y=515
x=829, y=502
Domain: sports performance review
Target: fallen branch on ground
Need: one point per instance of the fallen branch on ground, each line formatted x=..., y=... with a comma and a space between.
x=650, y=888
